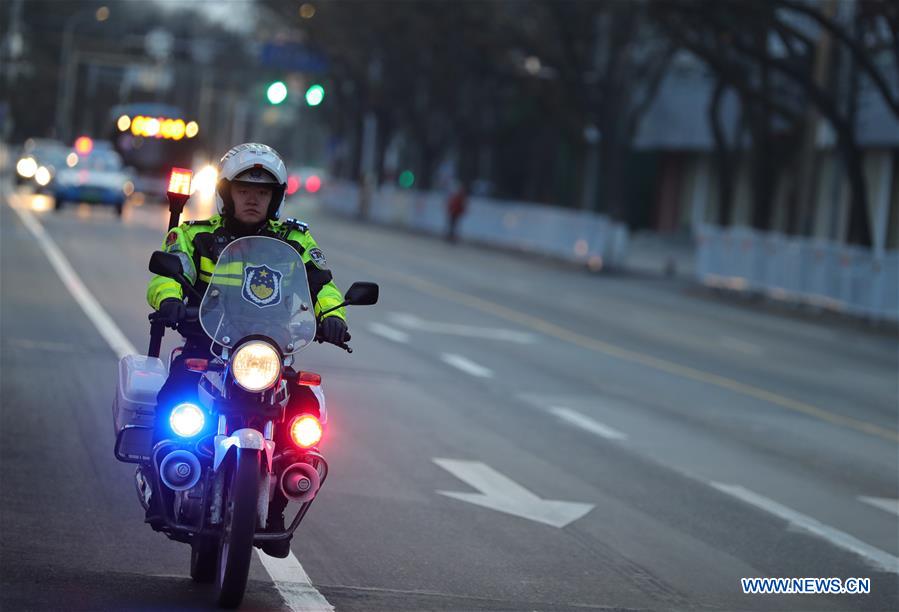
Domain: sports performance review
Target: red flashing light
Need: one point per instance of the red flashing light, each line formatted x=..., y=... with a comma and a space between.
x=306, y=431
x=313, y=184
x=84, y=145
x=179, y=182
x=293, y=184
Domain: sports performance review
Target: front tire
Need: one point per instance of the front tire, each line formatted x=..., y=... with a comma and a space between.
x=239, y=527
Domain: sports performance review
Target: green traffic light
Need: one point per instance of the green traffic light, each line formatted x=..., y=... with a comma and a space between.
x=276, y=92
x=315, y=95
x=407, y=179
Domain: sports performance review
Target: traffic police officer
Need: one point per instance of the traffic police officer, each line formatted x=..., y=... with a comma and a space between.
x=250, y=192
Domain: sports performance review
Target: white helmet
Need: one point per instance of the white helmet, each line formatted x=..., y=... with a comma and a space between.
x=251, y=162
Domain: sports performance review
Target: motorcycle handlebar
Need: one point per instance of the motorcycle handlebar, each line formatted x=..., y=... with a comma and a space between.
x=193, y=315
x=318, y=338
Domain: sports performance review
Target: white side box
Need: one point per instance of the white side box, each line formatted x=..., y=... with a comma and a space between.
x=140, y=379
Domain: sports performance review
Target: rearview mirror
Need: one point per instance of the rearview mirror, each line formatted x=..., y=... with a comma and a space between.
x=362, y=294
x=166, y=264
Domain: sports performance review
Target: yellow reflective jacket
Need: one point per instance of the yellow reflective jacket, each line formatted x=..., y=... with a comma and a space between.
x=199, y=243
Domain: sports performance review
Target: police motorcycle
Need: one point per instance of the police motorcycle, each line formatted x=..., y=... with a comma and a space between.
x=219, y=468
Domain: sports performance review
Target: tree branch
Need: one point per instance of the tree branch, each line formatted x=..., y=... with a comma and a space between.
x=858, y=53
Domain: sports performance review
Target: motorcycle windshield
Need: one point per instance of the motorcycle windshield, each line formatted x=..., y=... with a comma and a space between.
x=259, y=288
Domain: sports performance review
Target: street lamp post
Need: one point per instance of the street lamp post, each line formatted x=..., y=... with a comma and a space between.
x=68, y=71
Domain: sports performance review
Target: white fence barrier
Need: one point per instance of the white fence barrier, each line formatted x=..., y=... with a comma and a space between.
x=827, y=274
x=584, y=237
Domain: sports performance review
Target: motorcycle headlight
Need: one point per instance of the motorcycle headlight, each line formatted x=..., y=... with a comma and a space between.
x=256, y=366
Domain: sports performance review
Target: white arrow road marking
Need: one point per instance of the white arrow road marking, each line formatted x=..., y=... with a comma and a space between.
x=388, y=332
x=410, y=321
x=876, y=557
x=586, y=423
x=504, y=495
x=288, y=575
x=466, y=365
x=884, y=503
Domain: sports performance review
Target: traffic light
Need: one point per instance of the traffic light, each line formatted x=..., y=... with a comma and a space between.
x=276, y=92
x=315, y=94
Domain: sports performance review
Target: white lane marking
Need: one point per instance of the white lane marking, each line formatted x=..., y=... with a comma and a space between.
x=466, y=365
x=101, y=320
x=390, y=333
x=741, y=345
x=294, y=584
x=586, y=423
x=288, y=575
x=884, y=503
x=876, y=557
x=410, y=321
x=497, y=492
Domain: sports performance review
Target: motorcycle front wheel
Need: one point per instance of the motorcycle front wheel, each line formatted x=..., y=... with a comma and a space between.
x=238, y=528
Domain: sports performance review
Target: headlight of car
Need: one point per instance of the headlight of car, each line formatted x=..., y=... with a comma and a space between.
x=42, y=176
x=26, y=167
x=256, y=366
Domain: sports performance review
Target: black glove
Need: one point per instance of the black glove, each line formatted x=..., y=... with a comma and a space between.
x=172, y=311
x=333, y=330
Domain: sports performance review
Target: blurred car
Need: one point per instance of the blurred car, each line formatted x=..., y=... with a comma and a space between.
x=95, y=178
x=306, y=180
x=39, y=160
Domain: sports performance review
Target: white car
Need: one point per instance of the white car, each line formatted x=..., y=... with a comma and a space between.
x=39, y=160
x=96, y=178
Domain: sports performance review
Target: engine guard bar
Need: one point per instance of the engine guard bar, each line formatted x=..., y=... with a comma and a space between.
x=174, y=529
x=268, y=536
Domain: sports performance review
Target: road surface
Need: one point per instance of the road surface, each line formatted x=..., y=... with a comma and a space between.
x=509, y=434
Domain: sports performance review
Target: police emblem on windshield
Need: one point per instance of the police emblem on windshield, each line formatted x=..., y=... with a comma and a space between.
x=261, y=286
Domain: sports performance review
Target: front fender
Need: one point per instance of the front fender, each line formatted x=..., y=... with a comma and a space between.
x=243, y=438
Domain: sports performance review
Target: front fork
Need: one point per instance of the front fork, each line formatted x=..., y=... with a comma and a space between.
x=265, y=483
x=243, y=439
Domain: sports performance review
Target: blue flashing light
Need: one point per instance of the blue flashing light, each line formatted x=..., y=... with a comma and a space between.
x=187, y=420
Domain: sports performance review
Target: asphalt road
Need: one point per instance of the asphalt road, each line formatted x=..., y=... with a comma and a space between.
x=695, y=442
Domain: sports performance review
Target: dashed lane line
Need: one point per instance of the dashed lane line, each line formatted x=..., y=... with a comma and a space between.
x=385, y=331
x=466, y=365
x=584, y=422
x=287, y=574
x=664, y=365
x=882, y=503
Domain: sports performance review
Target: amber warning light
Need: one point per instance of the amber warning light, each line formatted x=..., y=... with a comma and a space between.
x=179, y=182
